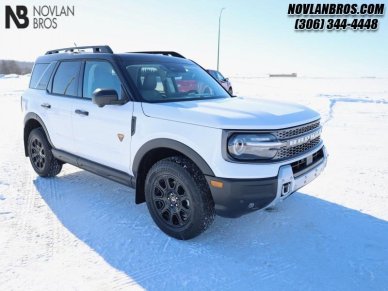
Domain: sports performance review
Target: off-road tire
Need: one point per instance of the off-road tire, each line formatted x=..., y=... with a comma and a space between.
x=188, y=197
x=39, y=150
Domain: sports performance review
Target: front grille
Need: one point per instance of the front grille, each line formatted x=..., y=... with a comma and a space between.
x=299, y=167
x=289, y=152
x=295, y=131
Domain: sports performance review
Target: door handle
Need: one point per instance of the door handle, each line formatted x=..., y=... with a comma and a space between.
x=46, y=105
x=82, y=112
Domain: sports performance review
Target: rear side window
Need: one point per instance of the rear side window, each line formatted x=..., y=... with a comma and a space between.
x=41, y=76
x=66, y=79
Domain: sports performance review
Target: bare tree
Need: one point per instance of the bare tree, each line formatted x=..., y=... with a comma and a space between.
x=15, y=67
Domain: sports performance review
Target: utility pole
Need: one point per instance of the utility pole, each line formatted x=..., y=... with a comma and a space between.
x=219, y=35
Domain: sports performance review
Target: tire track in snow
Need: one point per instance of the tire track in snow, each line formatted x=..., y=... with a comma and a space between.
x=29, y=197
x=334, y=99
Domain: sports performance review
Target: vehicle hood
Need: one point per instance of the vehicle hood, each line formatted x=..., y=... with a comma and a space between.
x=233, y=113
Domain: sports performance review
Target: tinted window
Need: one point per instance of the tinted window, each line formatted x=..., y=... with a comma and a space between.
x=100, y=75
x=41, y=75
x=66, y=79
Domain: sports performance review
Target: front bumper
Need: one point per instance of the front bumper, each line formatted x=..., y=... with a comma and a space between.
x=241, y=196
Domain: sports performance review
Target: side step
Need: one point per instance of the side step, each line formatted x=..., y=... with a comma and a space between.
x=98, y=169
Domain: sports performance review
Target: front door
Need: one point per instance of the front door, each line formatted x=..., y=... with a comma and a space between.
x=102, y=135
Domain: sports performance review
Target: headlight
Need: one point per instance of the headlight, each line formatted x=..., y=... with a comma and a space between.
x=251, y=146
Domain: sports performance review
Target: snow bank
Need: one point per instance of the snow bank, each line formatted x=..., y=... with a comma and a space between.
x=10, y=76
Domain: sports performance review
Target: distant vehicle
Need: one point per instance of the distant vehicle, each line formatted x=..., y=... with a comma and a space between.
x=293, y=75
x=186, y=82
x=222, y=80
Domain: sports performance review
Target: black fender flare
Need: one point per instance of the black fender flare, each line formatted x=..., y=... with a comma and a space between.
x=33, y=116
x=174, y=145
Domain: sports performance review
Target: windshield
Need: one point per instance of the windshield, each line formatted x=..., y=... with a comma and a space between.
x=173, y=82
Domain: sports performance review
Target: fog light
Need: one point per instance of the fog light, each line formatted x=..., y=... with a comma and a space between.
x=286, y=188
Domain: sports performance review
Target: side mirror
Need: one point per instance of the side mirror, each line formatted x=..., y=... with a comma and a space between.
x=102, y=97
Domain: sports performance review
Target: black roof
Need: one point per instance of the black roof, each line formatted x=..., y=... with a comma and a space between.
x=135, y=57
x=106, y=53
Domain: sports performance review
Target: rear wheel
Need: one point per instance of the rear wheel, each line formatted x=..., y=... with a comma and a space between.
x=178, y=198
x=41, y=157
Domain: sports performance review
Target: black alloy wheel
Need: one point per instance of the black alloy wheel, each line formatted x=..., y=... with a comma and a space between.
x=171, y=201
x=38, y=154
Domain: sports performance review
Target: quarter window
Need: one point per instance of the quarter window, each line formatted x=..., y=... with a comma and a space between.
x=41, y=76
x=100, y=75
x=66, y=79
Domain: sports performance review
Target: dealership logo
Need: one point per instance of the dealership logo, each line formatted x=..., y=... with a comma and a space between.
x=43, y=16
x=19, y=17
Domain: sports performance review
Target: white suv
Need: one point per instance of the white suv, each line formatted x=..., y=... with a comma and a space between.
x=160, y=123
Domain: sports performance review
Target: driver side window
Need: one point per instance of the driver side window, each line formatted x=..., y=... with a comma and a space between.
x=100, y=75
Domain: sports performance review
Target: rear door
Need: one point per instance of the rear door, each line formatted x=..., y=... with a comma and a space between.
x=57, y=104
x=102, y=135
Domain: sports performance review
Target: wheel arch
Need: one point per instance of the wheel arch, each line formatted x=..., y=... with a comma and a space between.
x=158, y=149
x=32, y=121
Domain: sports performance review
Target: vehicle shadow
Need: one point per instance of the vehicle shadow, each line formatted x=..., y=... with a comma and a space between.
x=305, y=243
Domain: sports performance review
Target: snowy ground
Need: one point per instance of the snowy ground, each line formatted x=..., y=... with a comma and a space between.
x=82, y=232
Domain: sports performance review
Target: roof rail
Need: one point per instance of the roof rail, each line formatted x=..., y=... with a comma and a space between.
x=165, y=53
x=96, y=49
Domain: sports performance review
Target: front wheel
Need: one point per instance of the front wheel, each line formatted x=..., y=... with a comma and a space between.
x=178, y=198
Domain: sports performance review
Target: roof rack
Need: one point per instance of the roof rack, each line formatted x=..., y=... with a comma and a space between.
x=165, y=53
x=96, y=49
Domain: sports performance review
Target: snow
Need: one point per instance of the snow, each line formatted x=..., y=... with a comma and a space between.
x=9, y=76
x=80, y=231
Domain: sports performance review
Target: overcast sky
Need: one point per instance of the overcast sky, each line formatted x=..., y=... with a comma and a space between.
x=257, y=36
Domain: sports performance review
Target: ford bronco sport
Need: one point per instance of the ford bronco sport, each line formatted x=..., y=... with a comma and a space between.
x=160, y=123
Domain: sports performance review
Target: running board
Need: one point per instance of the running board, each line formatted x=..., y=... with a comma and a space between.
x=98, y=169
